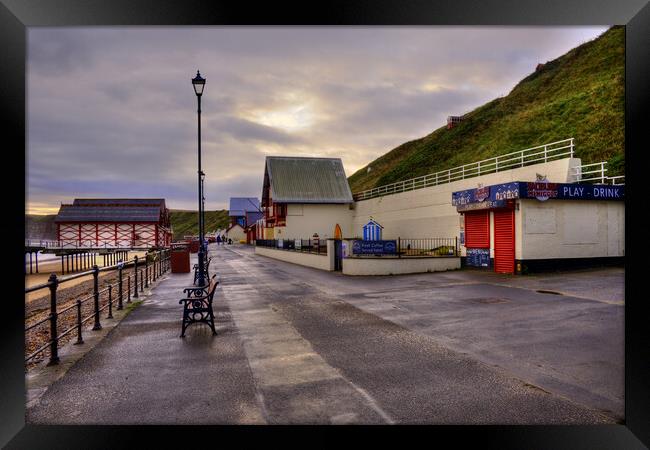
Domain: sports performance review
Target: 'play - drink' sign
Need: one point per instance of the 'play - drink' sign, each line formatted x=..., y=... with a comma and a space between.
x=574, y=191
x=495, y=196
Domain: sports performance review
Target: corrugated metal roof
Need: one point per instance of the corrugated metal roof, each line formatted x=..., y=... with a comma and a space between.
x=160, y=202
x=71, y=213
x=112, y=210
x=239, y=206
x=307, y=180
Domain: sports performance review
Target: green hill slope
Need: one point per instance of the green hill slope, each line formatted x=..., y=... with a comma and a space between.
x=580, y=94
x=186, y=222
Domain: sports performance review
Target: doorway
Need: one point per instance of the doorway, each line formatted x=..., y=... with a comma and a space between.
x=504, y=241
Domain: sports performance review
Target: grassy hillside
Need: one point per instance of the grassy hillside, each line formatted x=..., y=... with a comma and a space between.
x=579, y=95
x=186, y=222
x=40, y=226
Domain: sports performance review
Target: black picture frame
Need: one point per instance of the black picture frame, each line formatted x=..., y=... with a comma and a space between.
x=17, y=15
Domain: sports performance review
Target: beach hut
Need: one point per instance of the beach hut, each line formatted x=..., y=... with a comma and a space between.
x=372, y=231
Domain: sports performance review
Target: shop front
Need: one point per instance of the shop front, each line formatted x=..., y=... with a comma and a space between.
x=513, y=227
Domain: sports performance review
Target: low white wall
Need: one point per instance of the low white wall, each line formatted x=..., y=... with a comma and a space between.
x=396, y=266
x=323, y=262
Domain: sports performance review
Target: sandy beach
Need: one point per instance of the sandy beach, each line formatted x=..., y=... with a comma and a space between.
x=45, y=268
x=37, y=303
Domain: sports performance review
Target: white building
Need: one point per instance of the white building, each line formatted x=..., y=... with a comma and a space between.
x=305, y=196
x=513, y=233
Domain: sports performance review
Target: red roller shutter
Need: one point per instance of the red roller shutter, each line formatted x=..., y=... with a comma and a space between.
x=504, y=241
x=477, y=229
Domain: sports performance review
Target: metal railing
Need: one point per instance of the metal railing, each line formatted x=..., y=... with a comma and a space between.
x=318, y=247
x=145, y=271
x=534, y=155
x=43, y=243
x=86, y=244
x=595, y=172
x=427, y=247
x=418, y=247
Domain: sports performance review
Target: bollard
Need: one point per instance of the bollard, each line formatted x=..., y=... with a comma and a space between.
x=146, y=271
x=54, y=343
x=110, y=302
x=135, y=271
x=128, y=289
x=120, y=294
x=97, y=325
x=80, y=339
x=141, y=285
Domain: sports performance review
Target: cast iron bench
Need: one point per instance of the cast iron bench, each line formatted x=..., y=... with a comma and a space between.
x=197, y=306
x=206, y=273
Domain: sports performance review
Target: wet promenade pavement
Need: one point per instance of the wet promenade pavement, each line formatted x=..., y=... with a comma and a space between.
x=296, y=345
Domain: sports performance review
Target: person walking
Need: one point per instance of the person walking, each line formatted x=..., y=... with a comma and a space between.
x=218, y=239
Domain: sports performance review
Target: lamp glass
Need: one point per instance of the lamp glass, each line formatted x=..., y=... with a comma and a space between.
x=199, y=83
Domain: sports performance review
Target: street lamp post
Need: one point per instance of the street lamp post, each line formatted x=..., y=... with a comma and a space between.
x=199, y=83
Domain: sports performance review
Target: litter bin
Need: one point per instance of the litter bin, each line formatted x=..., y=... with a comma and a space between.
x=194, y=246
x=180, y=258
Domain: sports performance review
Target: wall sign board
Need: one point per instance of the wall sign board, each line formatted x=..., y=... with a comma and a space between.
x=374, y=247
x=495, y=196
x=478, y=257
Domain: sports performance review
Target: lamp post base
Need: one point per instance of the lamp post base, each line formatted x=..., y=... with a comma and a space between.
x=201, y=256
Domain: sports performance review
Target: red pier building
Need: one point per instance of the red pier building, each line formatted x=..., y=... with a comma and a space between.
x=114, y=223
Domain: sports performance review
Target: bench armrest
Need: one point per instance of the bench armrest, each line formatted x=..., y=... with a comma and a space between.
x=192, y=289
x=192, y=299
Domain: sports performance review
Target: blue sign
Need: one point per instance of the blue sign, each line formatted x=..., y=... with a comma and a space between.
x=478, y=257
x=374, y=247
x=495, y=193
x=488, y=204
x=372, y=231
x=571, y=191
x=495, y=196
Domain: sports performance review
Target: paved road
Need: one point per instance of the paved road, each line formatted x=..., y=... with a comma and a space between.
x=298, y=345
x=571, y=344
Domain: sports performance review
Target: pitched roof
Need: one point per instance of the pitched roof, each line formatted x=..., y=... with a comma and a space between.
x=233, y=226
x=239, y=206
x=160, y=202
x=112, y=210
x=306, y=180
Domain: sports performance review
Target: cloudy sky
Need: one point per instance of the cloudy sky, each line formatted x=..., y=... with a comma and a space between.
x=112, y=113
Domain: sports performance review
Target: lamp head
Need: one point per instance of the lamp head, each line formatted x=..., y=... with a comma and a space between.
x=198, y=83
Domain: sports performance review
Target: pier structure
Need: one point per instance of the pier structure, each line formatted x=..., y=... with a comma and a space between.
x=106, y=227
x=76, y=258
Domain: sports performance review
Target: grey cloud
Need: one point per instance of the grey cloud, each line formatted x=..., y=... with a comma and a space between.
x=112, y=109
x=245, y=130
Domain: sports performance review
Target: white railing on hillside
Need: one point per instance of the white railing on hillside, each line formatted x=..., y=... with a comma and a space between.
x=595, y=172
x=534, y=155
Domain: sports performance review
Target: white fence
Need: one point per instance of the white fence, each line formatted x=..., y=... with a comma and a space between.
x=596, y=172
x=534, y=155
